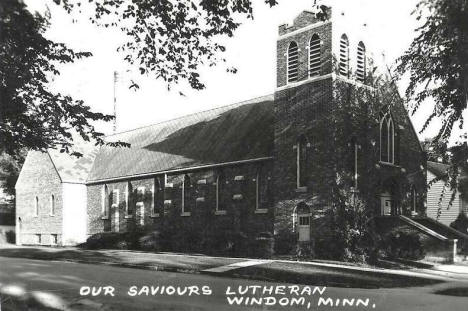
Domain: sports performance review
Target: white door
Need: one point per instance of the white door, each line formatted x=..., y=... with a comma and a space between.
x=304, y=228
x=386, y=204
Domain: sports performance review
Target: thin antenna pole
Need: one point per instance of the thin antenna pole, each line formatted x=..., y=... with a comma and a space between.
x=114, y=128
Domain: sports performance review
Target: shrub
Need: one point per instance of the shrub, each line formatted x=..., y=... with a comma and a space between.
x=285, y=242
x=103, y=240
x=461, y=223
x=150, y=241
x=404, y=245
x=262, y=246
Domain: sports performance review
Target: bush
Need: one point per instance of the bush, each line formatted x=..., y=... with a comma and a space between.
x=150, y=242
x=461, y=223
x=285, y=242
x=404, y=245
x=103, y=240
x=262, y=246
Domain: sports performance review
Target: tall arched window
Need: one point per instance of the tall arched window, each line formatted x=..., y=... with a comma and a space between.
x=387, y=139
x=36, y=206
x=414, y=199
x=344, y=56
x=186, y=195
x=293, y=62
x=221, y=192
x=361, y=63
x=52, y=205
x=315, y=61
x=301, y=154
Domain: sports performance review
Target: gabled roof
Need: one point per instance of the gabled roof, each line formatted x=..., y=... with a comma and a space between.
x=232, y=133
x=72, y=169
x=438, y=169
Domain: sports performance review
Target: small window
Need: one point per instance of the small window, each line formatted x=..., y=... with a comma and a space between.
x=293, y=62
x=315, y=61
x=36, y=206
x=186, y=195
x=52, y=205
x=54, y=239
x=301, y=162
x=344, y=56
x=38, y=239
x=361, y=63
x=304, y=220
x=387, y=139
x=221, y=192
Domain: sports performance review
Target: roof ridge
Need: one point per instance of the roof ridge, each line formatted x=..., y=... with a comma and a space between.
x=253, y=100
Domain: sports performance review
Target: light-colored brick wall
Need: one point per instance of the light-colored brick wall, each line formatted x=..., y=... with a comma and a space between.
x=39, y=178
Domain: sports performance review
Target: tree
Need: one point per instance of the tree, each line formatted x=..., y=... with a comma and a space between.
x=10, y=168
x=170, y=39
x=32, y=116
x=437, y=63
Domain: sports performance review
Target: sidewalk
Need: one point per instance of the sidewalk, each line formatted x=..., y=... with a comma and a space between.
x=317, y=273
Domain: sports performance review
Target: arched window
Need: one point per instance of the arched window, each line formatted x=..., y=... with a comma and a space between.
x=315, y=61
x=36, y=206
x=220, y=192
x=293, y=62
x=387, y=139
x=361, y=63
x=157, y=200
x=414, y=199
x=344, y=56
x=301, y=154
x=52, y=205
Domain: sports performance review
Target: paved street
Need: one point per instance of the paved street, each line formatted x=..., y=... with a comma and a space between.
x=58, y=285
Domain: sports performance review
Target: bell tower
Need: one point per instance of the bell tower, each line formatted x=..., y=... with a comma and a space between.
x=312, y=53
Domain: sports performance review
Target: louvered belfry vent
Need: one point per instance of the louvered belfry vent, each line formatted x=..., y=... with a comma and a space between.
x=293, y=62
x=361, y=63
x=344, y=56
x=315, y=60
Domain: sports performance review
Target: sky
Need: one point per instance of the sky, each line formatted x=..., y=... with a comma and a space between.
x=252, y=51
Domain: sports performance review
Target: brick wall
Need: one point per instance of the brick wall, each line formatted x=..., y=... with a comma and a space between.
x=303, y=40
x=39, y=178
x=240, y=193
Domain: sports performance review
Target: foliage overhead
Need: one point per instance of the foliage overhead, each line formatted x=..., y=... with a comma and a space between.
x=437, y=61
x=33, y=116
x=437, y=64
x=169, y=39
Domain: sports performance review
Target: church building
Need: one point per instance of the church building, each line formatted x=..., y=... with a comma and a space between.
x=253, y=167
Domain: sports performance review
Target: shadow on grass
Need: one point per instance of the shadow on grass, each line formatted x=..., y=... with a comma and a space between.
x=57, y=254
x=332, y=277
x=455, y=291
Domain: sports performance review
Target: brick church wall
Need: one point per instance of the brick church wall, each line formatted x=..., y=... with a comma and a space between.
x=38, y=178
x=240, y=192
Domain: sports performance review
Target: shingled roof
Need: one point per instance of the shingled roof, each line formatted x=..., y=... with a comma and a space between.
x=72, y=169
x=231, y=133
